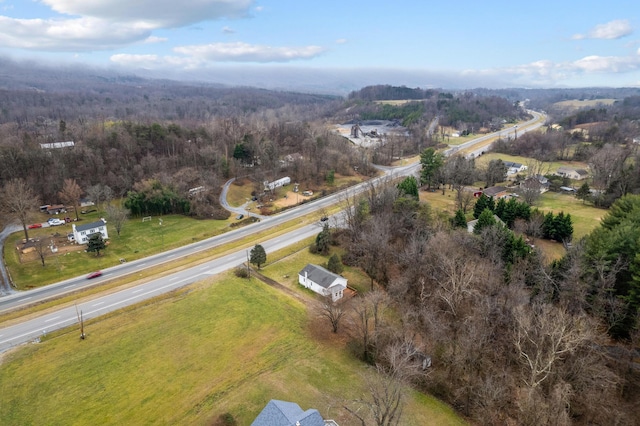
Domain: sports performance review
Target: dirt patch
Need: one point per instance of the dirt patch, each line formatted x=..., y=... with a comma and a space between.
x=62, y=244
x=289, y=199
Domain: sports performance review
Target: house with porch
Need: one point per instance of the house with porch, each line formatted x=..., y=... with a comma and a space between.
x=81, y=233
x=322, y=281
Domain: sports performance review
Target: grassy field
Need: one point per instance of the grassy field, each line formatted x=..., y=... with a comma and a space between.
x=225, y=345
x=138, y=239
x=577, y=104
x=548, y=167
x=285, y=269
x=585, y=217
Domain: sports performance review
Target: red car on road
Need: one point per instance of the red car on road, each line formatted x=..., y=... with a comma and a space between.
x=95, y=274
x=35, y=226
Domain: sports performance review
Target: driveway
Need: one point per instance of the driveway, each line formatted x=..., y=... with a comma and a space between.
x=236, y=210
x=5, y=287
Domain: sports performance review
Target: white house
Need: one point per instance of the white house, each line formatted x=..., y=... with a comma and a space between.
x=322, y=281
x=576, y=174
x=514, y=168
x=81, y=233
x=270, y=186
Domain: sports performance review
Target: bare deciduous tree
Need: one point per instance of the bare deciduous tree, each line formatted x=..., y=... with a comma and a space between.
x=18, y=201
x=384, y=401
x=71, y=193
x=41, y=245
x=333, y=312
x=544, y=335
x=117, y=216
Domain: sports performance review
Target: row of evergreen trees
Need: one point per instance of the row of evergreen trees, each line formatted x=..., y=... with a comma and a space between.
x=557, y=227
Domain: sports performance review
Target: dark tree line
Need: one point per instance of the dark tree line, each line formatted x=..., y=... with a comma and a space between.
x=511, y=338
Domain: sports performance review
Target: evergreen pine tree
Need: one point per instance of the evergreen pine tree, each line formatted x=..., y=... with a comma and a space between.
x=500, y=207
x=548, y=227
x=459, y=220
x=485, y=220
x=335, y=264
x=258, y=256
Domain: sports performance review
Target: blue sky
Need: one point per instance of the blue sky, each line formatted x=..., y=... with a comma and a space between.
x=493, y=43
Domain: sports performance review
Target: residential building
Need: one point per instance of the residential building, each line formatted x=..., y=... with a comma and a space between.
x=571, y=173
x=81, y=233
x=270, y=186
x=322, y=281
x=496, y=192
x=284, y=413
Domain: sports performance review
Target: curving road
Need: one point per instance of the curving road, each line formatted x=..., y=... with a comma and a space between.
x=31, y=329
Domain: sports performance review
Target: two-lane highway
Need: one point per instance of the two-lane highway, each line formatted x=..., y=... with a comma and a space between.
x=30, y=329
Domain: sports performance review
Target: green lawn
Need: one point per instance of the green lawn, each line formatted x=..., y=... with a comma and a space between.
x=226, y=345
x=138, y=239
x=549, y=167
x=285, y=269
x=585, y=217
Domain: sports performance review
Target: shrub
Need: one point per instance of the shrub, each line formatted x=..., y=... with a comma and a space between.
x=241, y=272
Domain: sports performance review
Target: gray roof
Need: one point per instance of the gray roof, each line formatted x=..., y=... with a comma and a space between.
x=319, y=275
x=493, y=190
x=283, y=413
x=92, y=225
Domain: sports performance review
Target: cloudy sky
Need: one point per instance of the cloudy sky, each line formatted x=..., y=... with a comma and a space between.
x=501, y=43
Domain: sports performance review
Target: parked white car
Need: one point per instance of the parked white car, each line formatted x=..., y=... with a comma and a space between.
x=55, y=222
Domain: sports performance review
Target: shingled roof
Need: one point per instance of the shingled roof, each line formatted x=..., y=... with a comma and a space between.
x=92, y=225
x=319, y=275
x=283, y=413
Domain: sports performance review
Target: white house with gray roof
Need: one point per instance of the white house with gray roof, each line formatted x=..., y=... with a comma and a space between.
x=322, y=281
x=81, y=233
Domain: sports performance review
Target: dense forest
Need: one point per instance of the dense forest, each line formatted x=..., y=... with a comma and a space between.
x=512, y=340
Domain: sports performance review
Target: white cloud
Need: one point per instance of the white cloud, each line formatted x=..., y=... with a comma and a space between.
x=67, y=34
x=153, y=61
x=545, y=72
x=243, y=52
x=341, y=41
x=154, y=39
x=90, y=25
x=606, y=64
x=228, y=30
x=609, y=31
x=156, y=13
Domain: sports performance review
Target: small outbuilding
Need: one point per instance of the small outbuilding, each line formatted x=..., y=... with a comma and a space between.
x=322, y=281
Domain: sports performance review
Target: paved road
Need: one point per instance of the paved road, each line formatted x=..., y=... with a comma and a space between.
x=236, y=210
x=5, y=286
x=31, y=329
x=536, y=122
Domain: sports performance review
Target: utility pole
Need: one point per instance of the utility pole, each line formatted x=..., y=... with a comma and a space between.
x=248, y=268
x=81, y=322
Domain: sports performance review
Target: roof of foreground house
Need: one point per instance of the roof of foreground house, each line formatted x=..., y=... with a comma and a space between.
x=284, y=413
x=319, y=275
x=92, y=225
